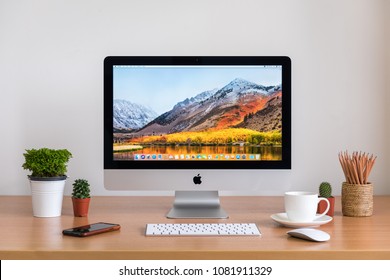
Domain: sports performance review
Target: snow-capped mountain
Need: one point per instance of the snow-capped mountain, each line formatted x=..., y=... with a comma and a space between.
x=198, y=98
x=128, y=115
x=225, y=107
x=238, y=87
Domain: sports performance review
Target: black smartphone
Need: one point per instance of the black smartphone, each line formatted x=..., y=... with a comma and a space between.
x=91, y=229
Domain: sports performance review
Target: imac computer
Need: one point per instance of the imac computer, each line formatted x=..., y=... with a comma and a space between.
x=196, y=126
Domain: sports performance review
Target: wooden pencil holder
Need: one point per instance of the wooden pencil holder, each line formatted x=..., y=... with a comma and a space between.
x=357, y=200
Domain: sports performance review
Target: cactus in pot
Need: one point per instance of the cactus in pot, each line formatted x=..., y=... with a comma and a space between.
x=325, y=190
x=81, y=197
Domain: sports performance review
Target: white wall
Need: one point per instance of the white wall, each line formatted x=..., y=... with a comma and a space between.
x=387, y=92
x=51, y=55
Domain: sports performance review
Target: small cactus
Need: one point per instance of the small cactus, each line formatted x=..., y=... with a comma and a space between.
x=81, y=189
x=325, y=189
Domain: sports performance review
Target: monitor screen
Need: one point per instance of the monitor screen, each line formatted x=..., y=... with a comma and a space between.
x=199, y=114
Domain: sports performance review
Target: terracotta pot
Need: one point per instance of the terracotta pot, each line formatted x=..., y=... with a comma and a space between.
x=322, y=206
x=80, y=206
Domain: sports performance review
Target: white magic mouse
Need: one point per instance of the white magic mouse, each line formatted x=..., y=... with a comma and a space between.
x=310, y=234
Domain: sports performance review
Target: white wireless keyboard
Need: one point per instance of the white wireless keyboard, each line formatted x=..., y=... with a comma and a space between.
x=213, y=229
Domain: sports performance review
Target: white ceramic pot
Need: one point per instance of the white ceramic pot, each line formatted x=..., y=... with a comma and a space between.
x=47, y=197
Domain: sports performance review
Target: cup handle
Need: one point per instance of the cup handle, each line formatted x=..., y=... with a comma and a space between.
x=327, y=207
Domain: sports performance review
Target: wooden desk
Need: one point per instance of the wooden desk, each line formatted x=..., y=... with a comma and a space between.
x=26, y=237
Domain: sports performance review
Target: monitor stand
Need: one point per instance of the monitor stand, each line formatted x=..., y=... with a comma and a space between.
x=197, y=204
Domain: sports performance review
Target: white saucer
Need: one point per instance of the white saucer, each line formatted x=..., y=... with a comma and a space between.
x=282, y=219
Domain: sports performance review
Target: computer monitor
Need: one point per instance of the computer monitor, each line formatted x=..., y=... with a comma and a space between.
x=195, y=125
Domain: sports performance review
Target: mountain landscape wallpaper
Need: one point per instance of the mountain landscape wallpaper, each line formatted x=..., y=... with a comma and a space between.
x=240, y=120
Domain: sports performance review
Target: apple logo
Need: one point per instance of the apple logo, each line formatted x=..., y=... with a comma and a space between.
x=197, y=179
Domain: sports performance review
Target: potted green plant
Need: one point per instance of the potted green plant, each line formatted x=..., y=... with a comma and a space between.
x=325, y=190
x=81, y=197
x=47, y=179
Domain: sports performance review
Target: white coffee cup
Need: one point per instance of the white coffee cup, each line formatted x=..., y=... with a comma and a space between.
x=302, y=206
